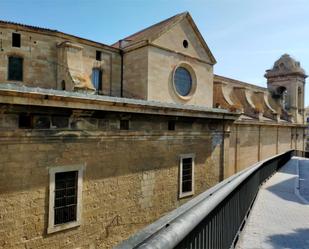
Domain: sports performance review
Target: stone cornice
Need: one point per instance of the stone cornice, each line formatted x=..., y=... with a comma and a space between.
x=20, y=95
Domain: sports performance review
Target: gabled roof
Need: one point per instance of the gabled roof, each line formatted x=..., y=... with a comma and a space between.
x=153, y=32
x=150, y=32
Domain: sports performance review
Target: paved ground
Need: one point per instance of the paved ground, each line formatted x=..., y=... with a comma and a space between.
x=279, y=218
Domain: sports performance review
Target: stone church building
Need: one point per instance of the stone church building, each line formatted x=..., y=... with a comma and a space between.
x=97, y=141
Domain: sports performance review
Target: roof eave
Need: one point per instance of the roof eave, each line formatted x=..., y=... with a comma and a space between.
x=61, y=99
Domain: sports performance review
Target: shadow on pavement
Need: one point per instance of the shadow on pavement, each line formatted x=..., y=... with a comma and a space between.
x=284, y=191
x=298, y=239
x=289, y=170
x=284, y=185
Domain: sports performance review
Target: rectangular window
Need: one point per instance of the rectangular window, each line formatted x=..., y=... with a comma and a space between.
x=15, y=68
x=171, y=125
x=65, y=195
x=16, y=40
x=97, y=79
x=25, y=121
x=98, y=55
x=186, y=183
x=124, y=124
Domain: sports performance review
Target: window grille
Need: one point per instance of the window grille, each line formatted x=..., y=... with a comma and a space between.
x=15, y=68
x=186, y=175
x=65, y=205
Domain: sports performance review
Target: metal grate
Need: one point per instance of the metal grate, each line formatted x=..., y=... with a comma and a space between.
x=65, y=197
x=186, y=175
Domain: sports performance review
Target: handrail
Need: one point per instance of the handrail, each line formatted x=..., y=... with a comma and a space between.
x=171, y=230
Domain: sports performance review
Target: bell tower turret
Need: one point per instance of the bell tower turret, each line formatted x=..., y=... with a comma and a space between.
x=286, y=81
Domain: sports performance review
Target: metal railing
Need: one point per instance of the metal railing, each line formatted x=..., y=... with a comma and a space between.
x=213, y=219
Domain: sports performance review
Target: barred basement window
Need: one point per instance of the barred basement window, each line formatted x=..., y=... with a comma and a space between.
x=65, y=195
x=15, y=68
x=186, y=183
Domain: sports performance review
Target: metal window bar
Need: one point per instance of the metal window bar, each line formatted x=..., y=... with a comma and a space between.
x=65, y=206
x=213, y=219
x=186, y=175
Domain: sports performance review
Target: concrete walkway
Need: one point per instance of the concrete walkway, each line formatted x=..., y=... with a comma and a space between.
x=280, y=216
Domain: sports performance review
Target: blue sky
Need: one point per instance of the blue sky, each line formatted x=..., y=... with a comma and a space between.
x=245, y=36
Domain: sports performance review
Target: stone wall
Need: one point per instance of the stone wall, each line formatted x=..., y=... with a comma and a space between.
x=250, y=143
x=131, y=177
x=161, y=67
x=44, y=67
x=135, y=73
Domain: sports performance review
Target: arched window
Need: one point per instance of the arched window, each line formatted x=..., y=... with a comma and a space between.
x=15, y=68
x=97, y=79
x=283, y=94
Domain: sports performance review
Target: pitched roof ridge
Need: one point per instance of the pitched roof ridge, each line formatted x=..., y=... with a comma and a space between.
x=182, y=14
x=55, y=31
x=28, y=26
x=240, y=82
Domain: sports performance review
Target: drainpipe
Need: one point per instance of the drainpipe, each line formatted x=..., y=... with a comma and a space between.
x=121, y=70
x=221, y=173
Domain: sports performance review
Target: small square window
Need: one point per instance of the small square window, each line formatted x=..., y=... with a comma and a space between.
x=16, y=40
x=186, y=181
x=25, y=121
x=41, y=122
x=98, y=55
x=65, y=195
x=124, y=124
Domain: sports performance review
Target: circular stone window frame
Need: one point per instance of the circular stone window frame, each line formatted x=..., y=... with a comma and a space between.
x=188, y=67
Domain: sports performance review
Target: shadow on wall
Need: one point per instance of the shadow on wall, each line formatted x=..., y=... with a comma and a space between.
x=298, y=239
